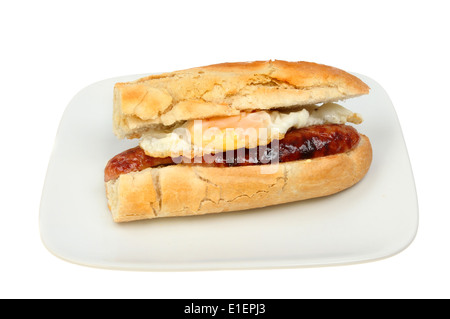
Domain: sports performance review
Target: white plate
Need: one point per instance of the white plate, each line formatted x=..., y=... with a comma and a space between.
x=376, y=218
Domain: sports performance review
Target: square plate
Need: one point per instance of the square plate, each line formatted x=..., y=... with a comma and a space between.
x=376, y=218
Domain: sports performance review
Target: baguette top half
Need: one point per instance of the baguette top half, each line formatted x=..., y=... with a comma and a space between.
x=226, y=89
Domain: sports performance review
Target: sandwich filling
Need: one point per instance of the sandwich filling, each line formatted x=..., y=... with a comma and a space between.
x=258, y=138
x=298, y=144
x=246, y=130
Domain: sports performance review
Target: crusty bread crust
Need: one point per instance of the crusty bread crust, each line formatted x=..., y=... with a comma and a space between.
x=226, y=89
x=184, y=190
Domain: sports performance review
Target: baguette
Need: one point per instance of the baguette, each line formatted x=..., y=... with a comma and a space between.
x=280, y=92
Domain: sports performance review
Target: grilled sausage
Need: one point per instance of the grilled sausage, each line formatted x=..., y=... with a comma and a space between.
x=304, y=143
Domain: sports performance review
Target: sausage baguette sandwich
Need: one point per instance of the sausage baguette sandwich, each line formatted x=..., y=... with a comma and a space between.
x=234, y=136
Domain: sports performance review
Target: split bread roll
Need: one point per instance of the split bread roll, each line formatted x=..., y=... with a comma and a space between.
x=160, y=103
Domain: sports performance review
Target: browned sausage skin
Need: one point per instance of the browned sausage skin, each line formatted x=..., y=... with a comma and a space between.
x=304, y=143
x=132, y=160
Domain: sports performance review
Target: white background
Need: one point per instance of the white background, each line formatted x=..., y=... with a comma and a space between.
x=53, y=49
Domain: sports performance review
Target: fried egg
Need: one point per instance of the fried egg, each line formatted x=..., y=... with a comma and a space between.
x=247, y=129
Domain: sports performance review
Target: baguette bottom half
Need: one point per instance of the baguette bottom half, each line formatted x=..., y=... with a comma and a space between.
x=185, y=190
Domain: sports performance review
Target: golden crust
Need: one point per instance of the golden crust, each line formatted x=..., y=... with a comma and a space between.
x=182, y=190
x=226, y=89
